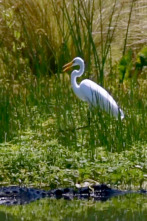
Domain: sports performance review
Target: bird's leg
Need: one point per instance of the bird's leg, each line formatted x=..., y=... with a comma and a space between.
x=88, y=119
x=88, y=116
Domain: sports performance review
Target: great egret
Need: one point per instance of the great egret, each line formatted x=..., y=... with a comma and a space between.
x=91, y=92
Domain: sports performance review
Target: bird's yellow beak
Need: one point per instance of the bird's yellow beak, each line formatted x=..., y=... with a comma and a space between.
x=67, y=66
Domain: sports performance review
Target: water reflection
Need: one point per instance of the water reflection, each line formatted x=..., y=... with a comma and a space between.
x=128, y=207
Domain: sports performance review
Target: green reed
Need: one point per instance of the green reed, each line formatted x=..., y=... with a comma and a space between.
x=33, y=52
x=77, y=27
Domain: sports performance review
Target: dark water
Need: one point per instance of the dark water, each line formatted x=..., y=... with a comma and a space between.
x=129, y=207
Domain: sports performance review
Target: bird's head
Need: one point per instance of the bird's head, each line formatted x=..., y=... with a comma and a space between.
x=75, y=62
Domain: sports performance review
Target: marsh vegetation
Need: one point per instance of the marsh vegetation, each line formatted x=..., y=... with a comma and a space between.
x=40, y=117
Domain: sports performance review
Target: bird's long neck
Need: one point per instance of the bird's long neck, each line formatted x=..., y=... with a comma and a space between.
x=74, y=84
x=74, y=75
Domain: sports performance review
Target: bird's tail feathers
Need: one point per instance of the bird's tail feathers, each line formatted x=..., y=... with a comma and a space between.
x=121, y=114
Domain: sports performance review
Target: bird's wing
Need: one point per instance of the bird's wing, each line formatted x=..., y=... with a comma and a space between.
x=95, y=95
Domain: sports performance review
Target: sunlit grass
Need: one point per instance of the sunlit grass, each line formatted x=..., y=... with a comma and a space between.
x=47, y=33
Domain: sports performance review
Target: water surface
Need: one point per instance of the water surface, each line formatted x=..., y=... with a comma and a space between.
x=128, y=207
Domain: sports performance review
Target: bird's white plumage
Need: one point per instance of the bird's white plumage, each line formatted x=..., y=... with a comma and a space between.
x=91, y=92
x=95, y=95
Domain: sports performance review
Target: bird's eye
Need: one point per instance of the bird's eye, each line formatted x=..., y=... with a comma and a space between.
x=74, y=62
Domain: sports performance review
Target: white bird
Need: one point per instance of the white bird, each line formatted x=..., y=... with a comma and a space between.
x=91, y=92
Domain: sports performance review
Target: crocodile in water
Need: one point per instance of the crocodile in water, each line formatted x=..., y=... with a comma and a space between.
x=14, y=195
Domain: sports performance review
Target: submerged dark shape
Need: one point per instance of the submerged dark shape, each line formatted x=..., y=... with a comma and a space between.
x=16, y=195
